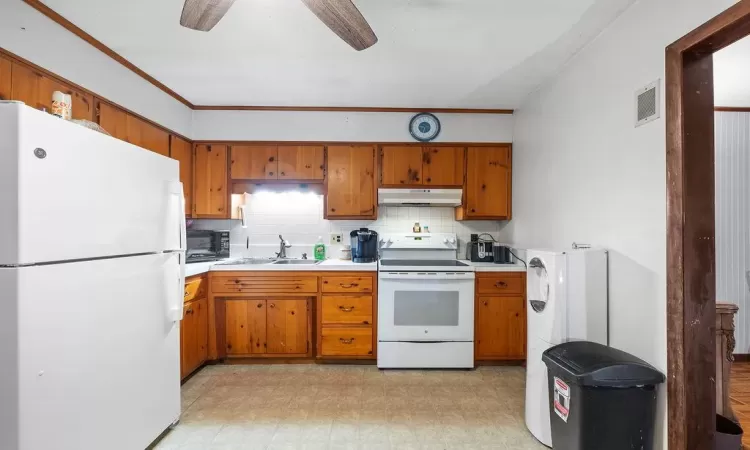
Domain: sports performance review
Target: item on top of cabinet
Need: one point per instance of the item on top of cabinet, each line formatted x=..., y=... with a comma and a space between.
x=364, y=245
x=416, y=228
x=501, y=254
x=319, y=250
x=345, y=253
x=479, y=249
x=90, y=125
x=62, y=105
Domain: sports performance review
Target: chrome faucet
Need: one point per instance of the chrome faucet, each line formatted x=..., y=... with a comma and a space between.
x=283, y=245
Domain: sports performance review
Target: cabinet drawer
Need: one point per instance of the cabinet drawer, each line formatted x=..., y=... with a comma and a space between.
x=506, y=283
x=346, y=342
x=195, y=288
x=347, y=284
x=345, y=309
x=264, y=284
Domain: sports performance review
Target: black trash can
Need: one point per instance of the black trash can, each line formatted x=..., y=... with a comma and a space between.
x=600, y=398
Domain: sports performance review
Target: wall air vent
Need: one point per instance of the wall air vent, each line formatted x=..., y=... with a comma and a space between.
x=647, y=101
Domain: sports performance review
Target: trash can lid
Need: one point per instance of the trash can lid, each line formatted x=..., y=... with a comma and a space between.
x=592, y=364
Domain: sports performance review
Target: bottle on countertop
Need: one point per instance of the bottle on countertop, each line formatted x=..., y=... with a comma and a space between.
x=319, y=250
x=417, y=228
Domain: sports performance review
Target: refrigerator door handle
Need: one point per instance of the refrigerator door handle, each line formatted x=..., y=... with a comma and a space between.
x=175, y=298
x=176, y=189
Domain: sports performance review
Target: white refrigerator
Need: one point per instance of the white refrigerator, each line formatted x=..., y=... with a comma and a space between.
x=92, y=236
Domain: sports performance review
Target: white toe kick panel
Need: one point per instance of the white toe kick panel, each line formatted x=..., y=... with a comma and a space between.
x=425, y=355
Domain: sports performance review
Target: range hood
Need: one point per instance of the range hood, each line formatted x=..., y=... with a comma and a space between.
x=420, y=197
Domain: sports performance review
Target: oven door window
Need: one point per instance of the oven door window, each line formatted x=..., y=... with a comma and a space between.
x=425, y=308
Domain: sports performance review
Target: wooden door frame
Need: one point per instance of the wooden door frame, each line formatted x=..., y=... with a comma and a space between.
x=691, y=284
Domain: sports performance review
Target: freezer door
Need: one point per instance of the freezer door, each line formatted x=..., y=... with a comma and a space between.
x=98, y=362
x=71, y=193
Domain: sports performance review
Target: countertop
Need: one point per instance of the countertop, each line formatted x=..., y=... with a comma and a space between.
x=329, y=265
x=492, y=267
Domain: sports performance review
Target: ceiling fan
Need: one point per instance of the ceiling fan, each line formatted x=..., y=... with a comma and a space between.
x=341, y=16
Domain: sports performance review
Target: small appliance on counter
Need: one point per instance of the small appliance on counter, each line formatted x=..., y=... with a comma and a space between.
x=501, y=254
x=480, y=250
x=207, y=245
x=364, y=245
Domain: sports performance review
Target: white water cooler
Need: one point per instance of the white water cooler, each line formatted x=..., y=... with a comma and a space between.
x=567, y=301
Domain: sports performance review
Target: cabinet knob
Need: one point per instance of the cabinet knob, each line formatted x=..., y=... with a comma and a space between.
x=429, y=179
x=282, y=174
x=333, y=209
x=473, y=210
x=270, y=173
x=270, y=159
x=272, y=305
x=485, y=303
x=260, y=305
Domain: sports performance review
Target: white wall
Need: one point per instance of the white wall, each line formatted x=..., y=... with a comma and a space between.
x=299, y=218
x=731, y=69
x=344, y=126
x=733, y=218
x=583, y=173
x=54, y=48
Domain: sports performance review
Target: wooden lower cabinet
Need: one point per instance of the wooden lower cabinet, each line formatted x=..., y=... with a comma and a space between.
x=266, y=327
x=194, y=327
x=500, y=319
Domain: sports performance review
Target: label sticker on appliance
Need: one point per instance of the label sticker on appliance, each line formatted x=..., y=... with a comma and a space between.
x=561, y=400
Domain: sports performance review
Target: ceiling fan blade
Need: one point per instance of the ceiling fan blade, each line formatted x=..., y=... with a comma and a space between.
x=344, y=19
x=202, y=15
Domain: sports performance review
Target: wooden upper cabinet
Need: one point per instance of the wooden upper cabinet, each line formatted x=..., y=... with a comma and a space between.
x=145, y=135
x=5, y=77
x=300, y=162
x=113, y=119
x=182, y=151
x=401, y=165
x=443, y=166
x=252, y=162
x=488, y=184
x=286, y=326
x=501, y=327
x=210, y=194
x=350, y=182
x=35, y=89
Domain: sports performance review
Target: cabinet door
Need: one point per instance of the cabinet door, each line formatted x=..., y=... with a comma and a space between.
x=35, y=89
x=187, y=340
x=488, y=182
x=501, y=328
x=251, y=162
x=210, y=181
x=182, y=151
x=302, y=162
x=245, y=327
x=146, y=135
x=443, y=166
x=350, y=189
x=194, y=334
x=113, y=119
x=401, y=166
x=287, y=326
x=5, y=76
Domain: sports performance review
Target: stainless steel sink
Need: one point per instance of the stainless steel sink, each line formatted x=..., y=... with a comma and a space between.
x=308, y=262
x=246, y=261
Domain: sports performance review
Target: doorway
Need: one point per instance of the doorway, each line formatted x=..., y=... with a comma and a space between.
x=691, y=285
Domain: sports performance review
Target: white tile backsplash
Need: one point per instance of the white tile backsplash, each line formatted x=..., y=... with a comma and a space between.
x=299, y=218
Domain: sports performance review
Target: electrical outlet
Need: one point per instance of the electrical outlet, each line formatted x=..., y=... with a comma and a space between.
x=336, y=238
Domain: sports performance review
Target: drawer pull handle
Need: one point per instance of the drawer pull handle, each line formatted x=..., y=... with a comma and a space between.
x=501, y=284
x=189, y=311
x=347, y=341
x=346, y=308
x=348, y=286
x=187, y=293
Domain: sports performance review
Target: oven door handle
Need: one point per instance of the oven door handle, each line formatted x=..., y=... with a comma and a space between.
x=452, y=276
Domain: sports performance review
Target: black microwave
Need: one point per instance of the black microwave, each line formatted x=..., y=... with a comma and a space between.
x=207, y=245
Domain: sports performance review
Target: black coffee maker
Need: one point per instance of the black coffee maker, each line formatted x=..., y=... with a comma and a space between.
x=364, y=245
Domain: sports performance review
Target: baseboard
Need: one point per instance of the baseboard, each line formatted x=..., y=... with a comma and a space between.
x=741, y=357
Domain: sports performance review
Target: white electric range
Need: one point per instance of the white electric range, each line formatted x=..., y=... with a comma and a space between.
x=425, y=303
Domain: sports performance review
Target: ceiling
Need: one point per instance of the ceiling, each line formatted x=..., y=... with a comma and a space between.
x=431, y=53
x=731, y=72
